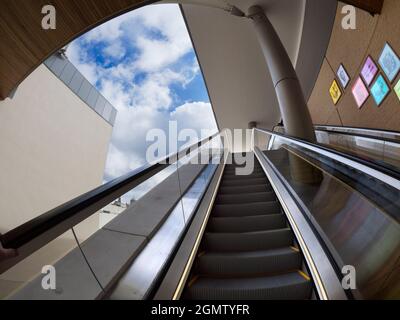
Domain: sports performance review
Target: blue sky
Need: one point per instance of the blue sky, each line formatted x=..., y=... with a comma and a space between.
x=143, y=62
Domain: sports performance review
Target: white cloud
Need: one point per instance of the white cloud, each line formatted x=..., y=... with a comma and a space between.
x=115, y=50
x=108, y=31
x=159, y=40
x=167, y=20
x=195, y=115
x=119, y=162
x=158, y=32
x=78, y=58
x=154, y=95
x=152, y=57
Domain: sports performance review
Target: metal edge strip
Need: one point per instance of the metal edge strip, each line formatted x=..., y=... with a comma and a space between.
x=381, y=140
x=188, y=266
x=381, y=131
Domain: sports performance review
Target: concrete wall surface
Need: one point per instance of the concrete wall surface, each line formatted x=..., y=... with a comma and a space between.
x=53, y=149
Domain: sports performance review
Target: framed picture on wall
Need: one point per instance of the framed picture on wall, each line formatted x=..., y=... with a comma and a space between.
x=343, y=76
x=335, y=92
x=389, y=62
x=360, y=92
x=369, y=70
x=379, y=90
x=397, y=89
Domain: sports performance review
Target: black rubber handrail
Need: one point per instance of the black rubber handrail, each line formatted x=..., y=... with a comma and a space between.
x=318, y=127
x=34, y=228
x=394, y=132
x=380, y=168
x=353, y=134
x=382, y=139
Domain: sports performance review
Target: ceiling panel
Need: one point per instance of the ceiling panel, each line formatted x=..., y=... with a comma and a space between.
x=233, y=66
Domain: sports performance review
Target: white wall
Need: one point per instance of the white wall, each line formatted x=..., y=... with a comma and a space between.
x=53, y=148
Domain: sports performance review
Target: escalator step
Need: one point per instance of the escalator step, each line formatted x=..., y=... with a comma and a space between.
x=246, y=250
x=256, y=164
x=247, y=209
x=234, y=171
x=245, y=198
x=247, y=224
x=245, y=189
x=250, y=241
x=244, y=182
x=254, y=175
x=289, y=286
x=244, y=263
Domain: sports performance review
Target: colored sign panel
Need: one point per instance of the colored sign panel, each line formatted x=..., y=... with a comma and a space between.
x=360, y=92
x=389, y=62
x=397, y=89
x=379, y=90
x=343, y=76
x=369, y=71
x=335, y=92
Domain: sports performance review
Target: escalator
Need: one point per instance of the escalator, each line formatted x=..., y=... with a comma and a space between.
x=248, y=251
x=286, y=231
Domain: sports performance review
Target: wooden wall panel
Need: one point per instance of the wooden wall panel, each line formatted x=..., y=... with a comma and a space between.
x=24, y=45
x=351, y=47
x=320, y=103
x=372, y=6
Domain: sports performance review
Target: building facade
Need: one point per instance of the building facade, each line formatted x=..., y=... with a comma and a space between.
x=55, y=133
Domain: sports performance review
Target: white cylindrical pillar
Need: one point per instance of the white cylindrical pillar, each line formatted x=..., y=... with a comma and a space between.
x=292, y=104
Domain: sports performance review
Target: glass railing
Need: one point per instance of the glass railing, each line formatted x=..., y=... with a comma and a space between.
x=356, y=215
x=140, y=278
x=383, y=152
x=372, y=133
x=89, y=242
x=381, y=147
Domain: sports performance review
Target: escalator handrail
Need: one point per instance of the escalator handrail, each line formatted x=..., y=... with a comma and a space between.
x=388, y=132
x=391, y=177
x=73, y=212
x=383, y=139
x=325, y=128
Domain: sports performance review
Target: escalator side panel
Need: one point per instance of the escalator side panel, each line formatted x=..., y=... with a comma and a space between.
x=356, y=230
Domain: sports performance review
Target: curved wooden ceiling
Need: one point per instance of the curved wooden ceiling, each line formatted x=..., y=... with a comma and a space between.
x=24, y=45
x=372, y=6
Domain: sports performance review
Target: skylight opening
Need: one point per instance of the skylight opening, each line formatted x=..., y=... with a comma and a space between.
x=144, y=63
